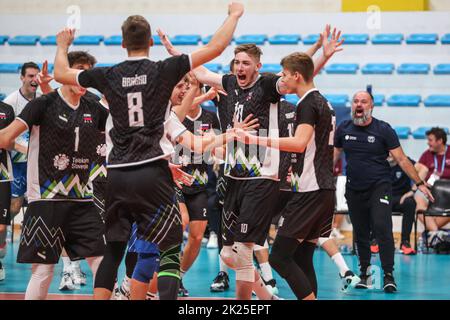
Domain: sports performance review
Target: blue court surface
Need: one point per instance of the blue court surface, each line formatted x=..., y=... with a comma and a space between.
x=420, y=277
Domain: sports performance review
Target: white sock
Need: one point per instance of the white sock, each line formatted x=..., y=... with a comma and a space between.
x=223, y=267
x=75, y=265
x=339, y=261
x=266, y=271
x=94, y=263
x=260, y=288
x=67, y=265
x=41, y=277
x=126, y=283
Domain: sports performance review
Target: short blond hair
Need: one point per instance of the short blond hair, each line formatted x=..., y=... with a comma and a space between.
x=299, y=62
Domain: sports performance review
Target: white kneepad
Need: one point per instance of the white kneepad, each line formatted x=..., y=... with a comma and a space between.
x=323, y=240
x=243, y=260
x=257, y=247
x=226, y=254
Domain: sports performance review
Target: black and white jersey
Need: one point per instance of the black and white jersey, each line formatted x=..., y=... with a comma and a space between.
x=314, y=168
x=225, y=118
x=193, y=163
x=63, y=145
x=260, y=99
x=6, y=117
x=286, y=122
x=138, y=92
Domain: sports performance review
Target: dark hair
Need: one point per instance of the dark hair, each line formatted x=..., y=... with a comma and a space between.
x=136, y=33
x=232, y=65
x=251, y=49
x=81, y=57
x=299, y=62
x=28, y=65
x=439, y=133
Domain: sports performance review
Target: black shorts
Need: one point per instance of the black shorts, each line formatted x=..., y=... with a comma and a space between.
x=50, y=226
x=248, y=210
x=5, y=203
x=99, y=197
x=308, y=215
x=179, y=195
x=283, y=198
x=143, y=194
x=197, y=205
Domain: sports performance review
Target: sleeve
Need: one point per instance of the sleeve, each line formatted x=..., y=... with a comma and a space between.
x=93, y=78
x=391, y=138
x=337, y=138
x=423, y=159
x=103, y=113
x=270, y=85
x=227, y=80
x=173, y=127
x=175, y=68
x=10, y=116
x=33, y=113
x=307, y=114
x=215, y=122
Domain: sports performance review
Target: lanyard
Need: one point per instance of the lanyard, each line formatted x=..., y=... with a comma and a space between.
x=444, y=157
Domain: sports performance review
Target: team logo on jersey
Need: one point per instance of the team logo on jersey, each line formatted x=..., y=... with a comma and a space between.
x=61, y=162
x=398, y=174
x=371, y=139
x=2, y=116
x=87, y=118
x=101, y=150
x=204, y=127
x=249, y=97
x=348, y=137
x=63, y=118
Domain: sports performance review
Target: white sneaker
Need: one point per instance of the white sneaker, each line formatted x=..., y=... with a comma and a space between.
x=78, y=277
x=122, y=292
x=66, y=283
x=204, y=241
x=213, y=241
x=151, y=296
x=2, y=272
x=335, y=233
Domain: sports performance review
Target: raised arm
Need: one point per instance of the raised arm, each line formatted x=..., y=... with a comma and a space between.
x=63, y=73
x=44, y=79
x=330, y=47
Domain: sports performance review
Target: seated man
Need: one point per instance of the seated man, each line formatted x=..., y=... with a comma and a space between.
x=403, y=201
x=434, y=164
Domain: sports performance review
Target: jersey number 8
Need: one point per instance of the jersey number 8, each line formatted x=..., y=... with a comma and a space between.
x=135, y=112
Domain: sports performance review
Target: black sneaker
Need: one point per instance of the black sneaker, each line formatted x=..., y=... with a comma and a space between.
x=389, y=283
x=220, y=283
x=182, y=291
x=349, y=280
x=364, y=282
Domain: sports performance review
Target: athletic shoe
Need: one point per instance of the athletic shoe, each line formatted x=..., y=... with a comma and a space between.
x=66, y=283
x=2, y=272
x=122, y=293
x=389, y=283
x=151, y=296
x=349, y=280
x=374, y=246
x=335, y=233
x=182, y=291
x=213, y=242
x=78, y=277
x=364, y=283
x=271, y=285
x=406, y=248
x=220, y=283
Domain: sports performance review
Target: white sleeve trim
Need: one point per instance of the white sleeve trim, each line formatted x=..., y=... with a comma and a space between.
x=21, y=120
x=174, y=127
x=190, y=61
x=78, y=75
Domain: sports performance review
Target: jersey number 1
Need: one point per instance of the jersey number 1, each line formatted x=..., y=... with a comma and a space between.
x=135, y=112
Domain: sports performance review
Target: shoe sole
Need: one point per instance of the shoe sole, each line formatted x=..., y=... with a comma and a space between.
x=352, y=284
x=390, y=288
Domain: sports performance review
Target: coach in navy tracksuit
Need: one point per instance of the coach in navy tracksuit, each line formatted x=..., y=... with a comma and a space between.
x=366, y=142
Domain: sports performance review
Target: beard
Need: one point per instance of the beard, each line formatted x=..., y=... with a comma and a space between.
x=360, y=121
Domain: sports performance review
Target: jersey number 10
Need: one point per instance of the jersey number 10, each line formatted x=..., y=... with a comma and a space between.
x=135, y=112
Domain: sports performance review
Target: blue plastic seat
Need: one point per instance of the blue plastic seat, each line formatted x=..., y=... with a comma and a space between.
x=292, y=98
x=156, y=40
x=105, y=64
x=404, y=100
x=10, y=67
x=270, y=67
x=185, y=39
x=337, y=100
x=280, y=39
x=342, y=68
x=387, y=38
x=50, y=67
x=91, y=40
x=258, y=39
x=437, y=100
x=214, y=67
x=48, y=41
x=357, y=38
x=402, y=132
x=378, y=68
x=422, y=38
x=310, y=39
x=207, y=39
x=115, y=40
x=414, y=68
x=378, y=100
x=442, y=68
x=2, y=96
x=24, y=40
x=3, y=39
x=445, y=38
x=420, y=133
x=209, y=105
